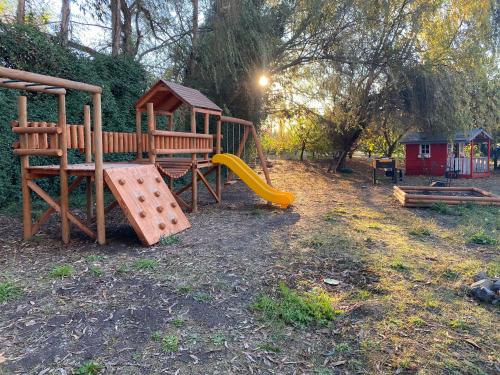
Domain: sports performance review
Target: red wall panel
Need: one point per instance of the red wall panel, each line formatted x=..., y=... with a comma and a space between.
x=435, y=165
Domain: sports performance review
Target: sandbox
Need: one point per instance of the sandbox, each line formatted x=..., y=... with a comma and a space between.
x=426, y=196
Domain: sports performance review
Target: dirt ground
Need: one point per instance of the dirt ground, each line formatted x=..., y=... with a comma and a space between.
x=401, y=292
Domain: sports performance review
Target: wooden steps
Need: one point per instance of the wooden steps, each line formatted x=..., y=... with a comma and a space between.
x=147, y=202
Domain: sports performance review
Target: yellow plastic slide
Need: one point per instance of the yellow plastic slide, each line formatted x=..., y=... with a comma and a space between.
x=252, y=179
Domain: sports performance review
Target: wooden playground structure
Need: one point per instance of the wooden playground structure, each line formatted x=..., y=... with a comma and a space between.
x=152, y=207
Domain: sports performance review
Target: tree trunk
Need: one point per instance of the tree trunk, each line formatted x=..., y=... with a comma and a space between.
x=128, y=43
x=194, y=40
x=21, y=11
x=65, y=17
x=115, y=27
x=302, y=149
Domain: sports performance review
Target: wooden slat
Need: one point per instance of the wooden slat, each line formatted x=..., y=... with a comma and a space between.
x=37, y=152
x=167, y=133
x=40, y=129
x=182, y=151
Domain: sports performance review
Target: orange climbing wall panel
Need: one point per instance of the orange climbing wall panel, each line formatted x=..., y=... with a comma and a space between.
x=146, y=201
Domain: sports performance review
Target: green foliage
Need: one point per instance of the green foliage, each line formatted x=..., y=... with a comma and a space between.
x=89, y=368
x=62, y=271
x=482, y=238
x=145, y=264
x=27, y=48
x=169, y=240
x=170, y=344
x=299, y=309
x=9, y=291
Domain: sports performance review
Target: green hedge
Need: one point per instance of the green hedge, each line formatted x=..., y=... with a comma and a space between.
x=26, y=48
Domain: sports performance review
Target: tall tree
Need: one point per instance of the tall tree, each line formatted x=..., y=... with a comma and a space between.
x=65, y=20
x=21, y=11
x=116, y=27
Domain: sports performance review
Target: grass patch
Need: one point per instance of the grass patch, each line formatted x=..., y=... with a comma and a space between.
x=94, y=258
x=218, y=339
x=96, y=271
x=89, y=368
x=269, y=347
x=170, y=344
x=185, y=289
x=62, y=271
x=9, y=292
x=123, y=269
x=442, y=208
x=170, y=240
x=156, y=336
x=416, y=321
x=145, y=264
x=399, y=266
x=482, y=238
x=178, y=322
x=450, y=274
x=362, y=295
x=298, y=309
x=342, y=348
x=202, y=297
x=459, y=324
x=420, y=231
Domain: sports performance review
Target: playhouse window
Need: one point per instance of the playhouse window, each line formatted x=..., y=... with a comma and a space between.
x=425, y=151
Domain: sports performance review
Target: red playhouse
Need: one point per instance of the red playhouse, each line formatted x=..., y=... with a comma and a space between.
x=466, y=155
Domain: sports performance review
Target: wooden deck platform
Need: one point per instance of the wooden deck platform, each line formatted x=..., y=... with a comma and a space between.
x=88, y=169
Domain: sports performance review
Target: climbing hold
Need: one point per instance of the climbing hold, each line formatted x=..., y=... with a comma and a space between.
x=140, y=180
x=162, y=226
x=158, y=179
x=142, y=198
x=142, y=214
x=121, y=181
x=174, y=220
x=159, y=209
x=173, y=204
x=157, y=193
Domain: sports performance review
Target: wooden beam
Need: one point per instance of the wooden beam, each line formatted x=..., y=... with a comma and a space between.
x=23, y=130
x=37, y=152
x=151, y=133
x=51, y=202
x=138, y=131
x=218, y=177
x=263, y=160
x=209, y=188
x=47, y=80
x=63, y=173
x=19, y=85
x=22, y=110
x=235, y=120
x=99, y=170
x=48, y=213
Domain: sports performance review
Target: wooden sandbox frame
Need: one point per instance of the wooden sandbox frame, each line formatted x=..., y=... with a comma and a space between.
x=408, y=197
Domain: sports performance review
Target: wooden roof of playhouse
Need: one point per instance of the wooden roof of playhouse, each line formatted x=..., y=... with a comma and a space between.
x=477, y=134
x=168, y=96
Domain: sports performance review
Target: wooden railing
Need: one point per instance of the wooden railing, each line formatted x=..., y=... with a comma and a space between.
x=170, y=142
x=45, y=136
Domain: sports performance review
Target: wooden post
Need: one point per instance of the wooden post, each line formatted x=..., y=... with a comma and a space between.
x=261, y=154
x=218, y=176
x=171, y=122
x=138, y=130
x=63, y=173
x=206, y=122
x=22, y=109
x=471, y=158
x=151, y=129
x=88, y=159
x=99, y=177
x=194, y=167
x=489, y=157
